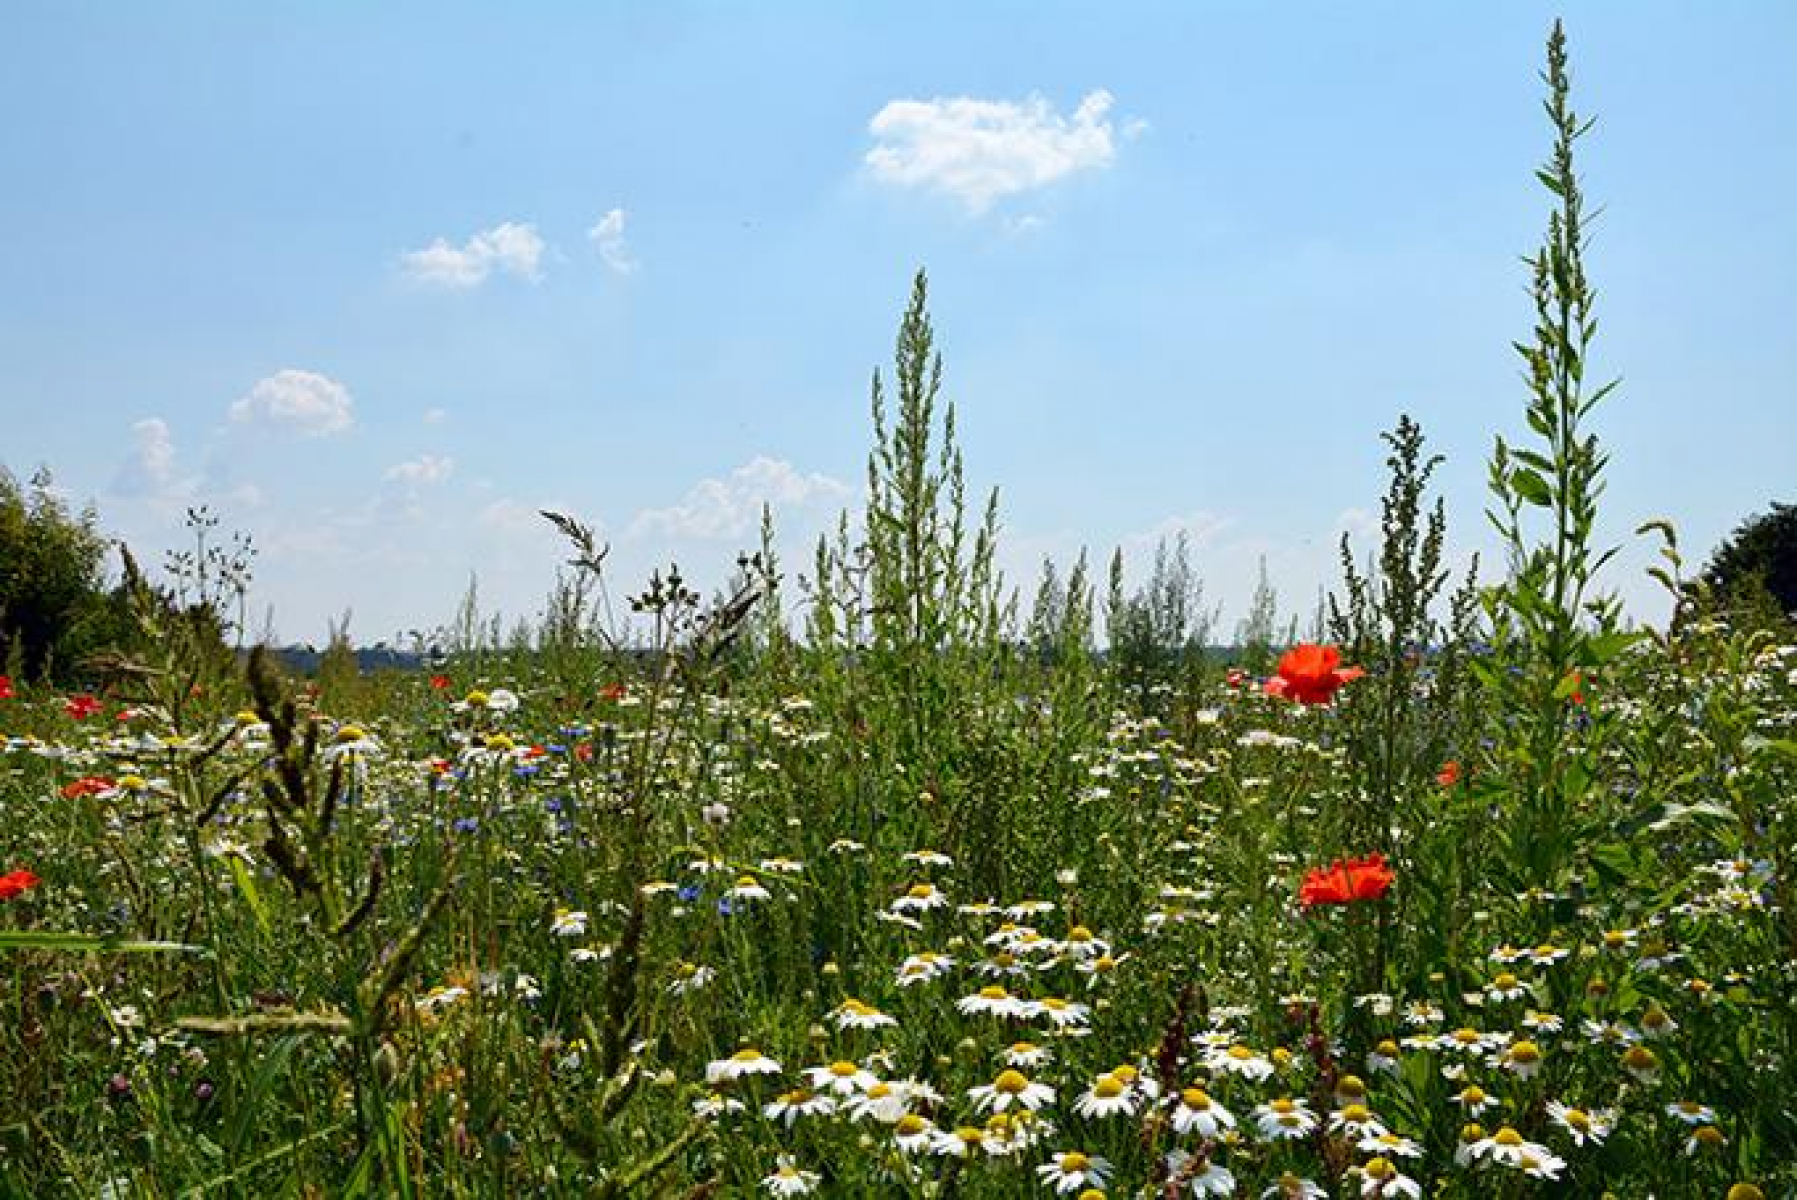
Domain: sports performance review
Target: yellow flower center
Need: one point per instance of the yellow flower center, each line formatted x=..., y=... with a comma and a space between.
x=1350, y=1085
x=1387, y=1047
x=747, y=1055
x=1356, y=1114
x=1708, y=1135
x=1379, y=1168
x=476, y=699
x=994, y=992
x=1108, y=1087
x=843, y=1070
x=137, y=783
x=1195, y=1098
x=747, y=881
x=1639, y=1058
x=1079, y=933
x=879, y=1091
x=1073, y=1161
x=1504, y=982
x=1473, y=1095
x=1525, y=1052
x=1578, y=1119
x=921, y=891
x=1240, y=1052
x=1282, y=1106
x=1466, y=1037
x=1507, y=1137
x=1011, y=1083
x=910, y=1125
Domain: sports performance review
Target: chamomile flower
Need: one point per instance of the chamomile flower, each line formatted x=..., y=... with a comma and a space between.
x=841, y=1077
x=924, y=967
x=1108, y=1096
x=1196, y=1112
x=689, y=978
x=856, y=1014
x=1211, y=1179
x=790, y=1180
x=1508, y=1148
x=568, y=923
x=1355, y=1121
x=919, y=897
x=1523, y=1059
x=914, y=1134
x=1011, y=1087
x=1705, y=1137
x=884, y=1102
x=1380, y=1177
x=1071, y=1170
x=1691, y=1112
x=1474, y=1100
x=747, y=1061
x=1656, y=1022
x=1292, y=1187
x=1384, y=1057
x=995, y=1001
x=1641, y=1063
x=1284, y=1118
x=1581, y=1125
x=747, y=888
x=1063, y=1013
x=1542, y=1022
x=928, y=858
x=1391, y=1145
x=1506, y=986
x=800, y=1102
x=963, y=1141
x=1027, y=1055
x=1238, y=1059
x=713, y=1105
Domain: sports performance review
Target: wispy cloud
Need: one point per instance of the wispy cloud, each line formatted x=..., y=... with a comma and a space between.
x=303, y=402
x=508, y=248
x=981, y=151
x=149, y=473
x=729, y=508
x=608, y=238
x=426, y=468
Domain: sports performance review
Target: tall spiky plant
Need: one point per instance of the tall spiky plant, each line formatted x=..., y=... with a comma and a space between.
x=1549, y=620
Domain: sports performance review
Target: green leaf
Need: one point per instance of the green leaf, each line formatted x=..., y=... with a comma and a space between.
x=1531, y=487
x=88, y=943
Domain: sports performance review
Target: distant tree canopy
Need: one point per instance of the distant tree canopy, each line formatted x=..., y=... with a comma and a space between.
x=1758, y=559
x=54, y=606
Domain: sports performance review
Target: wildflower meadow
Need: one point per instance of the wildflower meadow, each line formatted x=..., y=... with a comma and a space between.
x=868, y=876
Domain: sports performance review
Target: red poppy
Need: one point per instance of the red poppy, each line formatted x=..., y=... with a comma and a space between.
x=81, y=707
x=584, y=751
x=87, y=785
x=439, y=682
x=612, y=691
x=1577, y=694
x=1449, y=774
x=5, y=687
x=1346, y=880
x=1236, y=677
x=17, y=883
x=1310, y=674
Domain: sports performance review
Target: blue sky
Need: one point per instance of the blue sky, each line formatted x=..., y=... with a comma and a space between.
x=377, y=282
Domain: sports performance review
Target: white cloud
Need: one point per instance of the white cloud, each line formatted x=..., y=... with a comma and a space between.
x=426, y=468
x=149, y=472
x=303, y=401
x=509, y=248
x=435, y=416
x=608, y=237
x=980, y=151
x=730, y=508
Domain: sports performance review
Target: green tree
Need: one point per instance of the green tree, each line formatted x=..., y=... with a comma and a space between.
x=54, y=608
x=1757, y=562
